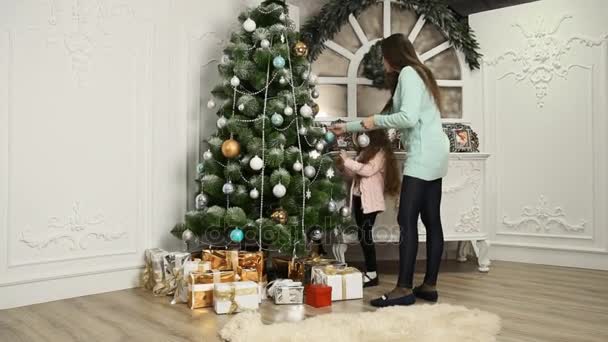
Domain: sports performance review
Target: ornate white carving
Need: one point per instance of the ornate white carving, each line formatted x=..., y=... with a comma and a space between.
x=86, y=30
x=541, y=59
x=73, y=230
x=470, y=174
x=470, y=221
x=541, y=218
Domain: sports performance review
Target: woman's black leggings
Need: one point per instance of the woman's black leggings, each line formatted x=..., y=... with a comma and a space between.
x=419, y=198
x=365, y=222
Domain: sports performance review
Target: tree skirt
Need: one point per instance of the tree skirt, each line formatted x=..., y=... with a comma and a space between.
x=421, y=323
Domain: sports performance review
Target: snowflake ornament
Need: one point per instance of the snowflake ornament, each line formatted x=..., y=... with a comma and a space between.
x=314, y=155
x=330, y=173
x=308, y=194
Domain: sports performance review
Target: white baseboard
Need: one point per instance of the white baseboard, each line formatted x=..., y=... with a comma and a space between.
x=69, y=287
x=578, y=259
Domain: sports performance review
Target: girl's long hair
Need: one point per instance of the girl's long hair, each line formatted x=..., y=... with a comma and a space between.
x=379, y=142
x=399, y=52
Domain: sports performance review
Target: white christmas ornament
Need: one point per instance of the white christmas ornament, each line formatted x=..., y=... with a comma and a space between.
x=363, y=140
x=210, y=104
x=306, y=111
x=265, y=43
x=312, y=78
x=345, y=211
x=187, y=235
x=254, y=193
x=303, y=130
x=279, y=190
x=332, y=206
x=282, y=80
x=228, y=188
x=320, y=146
x=249, y=25
x=221, y=122
x=315, y=94
x=256, y=163
x=330, y=173
x=297, y=166
x=305, y=74
x=282, y=17
x=309, y=171
x=207, y=155
x=234, y=81
x=241, y=107
x=288, y=111
x=314, y=155
x=201, y=201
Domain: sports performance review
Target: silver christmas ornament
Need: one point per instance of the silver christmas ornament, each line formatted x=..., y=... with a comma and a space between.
x=315, y=94
x=303, y=130
x=305, y=74
x=265, y=43
x=282, y=80
x=309, y=171
x=345, y=211
x=276, y=119
x=228, y=188
x=312, y=78
x=256, y=163
x=315, y=234
x=187, y=235
x=221, y=122
x=241, y=107
x=288, y=111
x=201, y=201
x=207, y=155
x=282, y=17
x=297, y=166
x=234, y=81
x=249, y=25
x=332, y=206
x=306, y=111
x=254, y=193
x=279, y=190
x=210, y=104
x=363, y=140
x=320, y=146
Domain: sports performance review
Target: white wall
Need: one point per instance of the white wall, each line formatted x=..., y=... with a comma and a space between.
x=542, y=94
x=99, y=121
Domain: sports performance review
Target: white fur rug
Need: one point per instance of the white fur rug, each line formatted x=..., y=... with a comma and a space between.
x=420, y=323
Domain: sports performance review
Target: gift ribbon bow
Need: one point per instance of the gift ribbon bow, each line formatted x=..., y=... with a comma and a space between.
x=231, y=294
x=180, y=282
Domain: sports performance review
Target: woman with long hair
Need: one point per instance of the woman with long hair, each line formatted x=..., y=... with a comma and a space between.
x=415, y=110
x=374, y=172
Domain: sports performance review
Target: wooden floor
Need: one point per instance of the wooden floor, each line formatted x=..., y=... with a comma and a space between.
x=536, y=303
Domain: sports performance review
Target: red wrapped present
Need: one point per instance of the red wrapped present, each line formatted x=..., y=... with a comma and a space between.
x=318, y=295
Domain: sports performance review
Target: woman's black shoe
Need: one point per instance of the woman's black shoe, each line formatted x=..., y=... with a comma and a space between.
x=370, y=281
x=430, y=296
x=384, y=301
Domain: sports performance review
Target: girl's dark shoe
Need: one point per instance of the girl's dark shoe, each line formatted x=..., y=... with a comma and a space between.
x=384, y=301
x=430, y=296
x=369, y=282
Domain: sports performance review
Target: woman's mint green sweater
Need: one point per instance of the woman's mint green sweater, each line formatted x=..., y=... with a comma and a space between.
x=419, y=121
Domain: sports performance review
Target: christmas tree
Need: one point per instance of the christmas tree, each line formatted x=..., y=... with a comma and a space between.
x=266, y=176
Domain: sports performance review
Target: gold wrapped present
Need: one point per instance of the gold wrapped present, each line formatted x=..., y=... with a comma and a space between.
x=221, y=258
x=200, y=286
x=301, y=268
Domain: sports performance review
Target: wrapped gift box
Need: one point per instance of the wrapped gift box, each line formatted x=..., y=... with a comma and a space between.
x=286, y=291
x=235, y=297
x=246, y=264
x=189, y=267
x=318, y=295
x=302, y=268
x=200, y=286
x=346, y=282
x=154, y=270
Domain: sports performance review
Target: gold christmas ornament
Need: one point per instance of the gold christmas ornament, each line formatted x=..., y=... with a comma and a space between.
x=231, y=148
x=279, y=216
x=315, y=108
x=300, y=49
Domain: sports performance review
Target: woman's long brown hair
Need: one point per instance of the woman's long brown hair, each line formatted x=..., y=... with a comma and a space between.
x=379, y=142
x=399, y=52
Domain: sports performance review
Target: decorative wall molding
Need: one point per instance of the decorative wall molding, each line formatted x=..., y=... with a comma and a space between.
x=470, y=174
x=542, y=219
x=541, y=59
x=470, y=221
x=74, y=230
x=84, y=30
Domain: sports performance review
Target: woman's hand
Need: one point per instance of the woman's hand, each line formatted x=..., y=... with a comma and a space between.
x=368, y=123
x=338, y=129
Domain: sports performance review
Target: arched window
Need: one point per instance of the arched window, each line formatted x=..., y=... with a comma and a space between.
x=344, y=91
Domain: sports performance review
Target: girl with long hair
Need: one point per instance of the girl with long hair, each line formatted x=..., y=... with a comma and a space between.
x=374, y=172
x=415, y=110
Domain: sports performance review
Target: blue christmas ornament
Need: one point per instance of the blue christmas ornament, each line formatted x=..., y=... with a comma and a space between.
x=236, y=235
x=278, y=62
x=330, y=137
x=277, y=119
